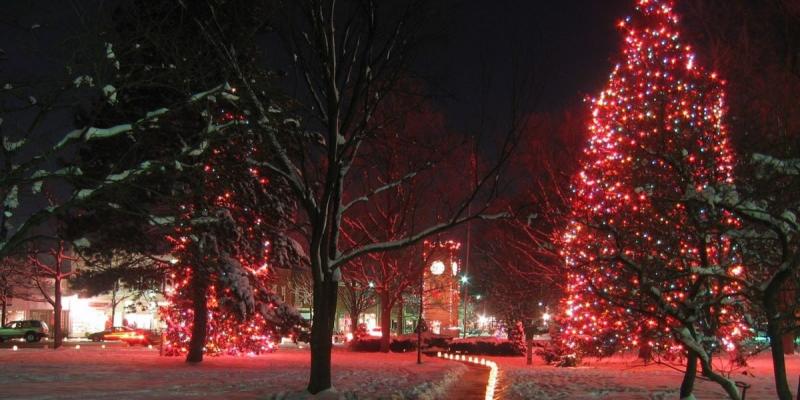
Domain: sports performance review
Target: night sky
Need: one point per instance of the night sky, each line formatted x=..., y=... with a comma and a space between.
x=567, y=45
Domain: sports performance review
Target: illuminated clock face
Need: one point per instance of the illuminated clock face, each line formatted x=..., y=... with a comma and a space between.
x=437, y=267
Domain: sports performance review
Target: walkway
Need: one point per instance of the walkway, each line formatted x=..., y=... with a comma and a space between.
x=476, y=381
x=471, y=385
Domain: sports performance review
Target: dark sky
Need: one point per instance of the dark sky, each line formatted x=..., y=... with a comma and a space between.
x=566, y=45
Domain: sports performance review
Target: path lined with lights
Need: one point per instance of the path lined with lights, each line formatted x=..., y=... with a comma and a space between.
x=480, y=380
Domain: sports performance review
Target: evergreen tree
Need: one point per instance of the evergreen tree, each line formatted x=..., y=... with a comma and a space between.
x=211, y=204
x=516, y=335
x=648, y=263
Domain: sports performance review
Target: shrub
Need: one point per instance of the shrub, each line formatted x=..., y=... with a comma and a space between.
x=555, y=354
x=403, y=345
x=489, y=346
x=365, y=344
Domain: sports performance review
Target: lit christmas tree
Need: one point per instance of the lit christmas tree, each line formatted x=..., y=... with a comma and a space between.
x=645, y=261
x=221, y=247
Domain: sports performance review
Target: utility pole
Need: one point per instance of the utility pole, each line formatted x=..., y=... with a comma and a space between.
x=419, y=317
x=473, y=176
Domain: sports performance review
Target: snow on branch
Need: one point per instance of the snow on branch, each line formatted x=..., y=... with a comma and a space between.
x=90, y=133
x=783, y=167
x=726, y=196
x=381, y=189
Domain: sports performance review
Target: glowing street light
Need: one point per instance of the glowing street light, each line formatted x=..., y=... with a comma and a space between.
x=545, y=317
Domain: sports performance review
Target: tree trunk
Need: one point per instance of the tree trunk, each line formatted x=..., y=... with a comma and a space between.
x=728, y=385
x=529, y=352
x=113, y=304
x=386, y=322
x=3, y=312
x=401, y=318
x=775, y=333
x=687, y=385
x=645, y=350
x=353, y=322
x=321, y=334
x=199, y=288
x=58, y=335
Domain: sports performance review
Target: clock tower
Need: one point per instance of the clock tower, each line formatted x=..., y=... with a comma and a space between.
x=441, y=286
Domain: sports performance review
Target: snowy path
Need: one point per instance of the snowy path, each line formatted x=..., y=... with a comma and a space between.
x=472, y=385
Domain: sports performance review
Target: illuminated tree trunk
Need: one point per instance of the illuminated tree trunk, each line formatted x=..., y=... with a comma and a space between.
x=354, y=321
x=645, y=349
x=199, y=288
x=687, y=385
x=728, y=385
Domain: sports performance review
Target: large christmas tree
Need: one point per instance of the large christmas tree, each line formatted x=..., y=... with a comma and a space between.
x=221, y=248
x=648, y=266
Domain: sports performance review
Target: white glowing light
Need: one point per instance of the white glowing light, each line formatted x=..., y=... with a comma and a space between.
x=437, y=267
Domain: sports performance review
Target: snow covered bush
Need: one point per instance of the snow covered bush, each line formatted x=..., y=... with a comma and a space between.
x=489, y=346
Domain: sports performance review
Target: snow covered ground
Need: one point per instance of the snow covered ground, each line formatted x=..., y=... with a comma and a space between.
x=138, y=373
x=625, y=378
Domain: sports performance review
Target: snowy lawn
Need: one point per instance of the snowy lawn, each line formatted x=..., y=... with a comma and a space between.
x=139, y=373
x=622, y=378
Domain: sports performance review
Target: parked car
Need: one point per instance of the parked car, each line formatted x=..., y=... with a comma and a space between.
x=130, y=336
x=144, y=337
x=114, y=333
x=30, y=330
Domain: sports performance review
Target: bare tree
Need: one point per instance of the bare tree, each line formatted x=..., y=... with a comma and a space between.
x=357, y=297
x=48, y=269
x=124, y=275
x=14, y=284
x=350, y=56
x=519, y=256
